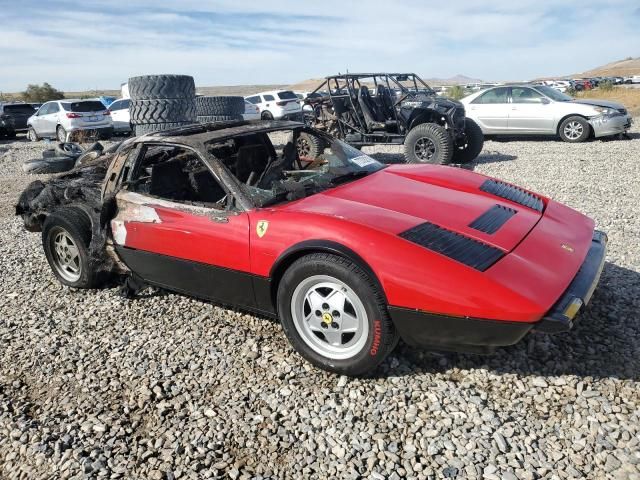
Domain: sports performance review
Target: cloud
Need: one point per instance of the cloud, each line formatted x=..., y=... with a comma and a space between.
x=79, y=45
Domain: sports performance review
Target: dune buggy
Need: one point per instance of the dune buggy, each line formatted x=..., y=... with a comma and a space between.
x=392, y=108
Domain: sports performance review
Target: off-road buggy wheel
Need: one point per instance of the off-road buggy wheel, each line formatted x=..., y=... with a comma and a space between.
x=334, y=315
x=61, y=134
x=428, y=143
x=66, y=235
x=310, y=146
x=473, y=146
x=574, y=129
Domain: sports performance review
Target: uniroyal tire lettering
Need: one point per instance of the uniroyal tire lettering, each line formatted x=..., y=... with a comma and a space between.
x=377, y=333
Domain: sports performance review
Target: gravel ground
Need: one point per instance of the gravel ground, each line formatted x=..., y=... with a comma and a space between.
x=163, y=387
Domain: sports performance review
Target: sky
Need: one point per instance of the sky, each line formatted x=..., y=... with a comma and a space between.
x=81, y=45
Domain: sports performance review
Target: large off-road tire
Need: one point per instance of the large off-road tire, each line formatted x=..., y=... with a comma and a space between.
x=219, y=106
x=66, y=235
x=159, y=127
x=428, y=143
x=162, y=111
x=152, y=87
x=574, y=129
x=473, y=146
x=335, y=315
x=218, y=118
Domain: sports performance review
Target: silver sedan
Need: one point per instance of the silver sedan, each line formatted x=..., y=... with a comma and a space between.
x=541, y=110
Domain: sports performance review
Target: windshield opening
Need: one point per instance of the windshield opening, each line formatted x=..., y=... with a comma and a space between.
x=280, y=166
x=410, y=83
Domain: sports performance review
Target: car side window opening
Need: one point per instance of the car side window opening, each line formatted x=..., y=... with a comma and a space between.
x=44, y=110
x=53, y=108
x=268, y=98
x=253, y=100
x=495, y=95
x=525, y=95
x=177, y=174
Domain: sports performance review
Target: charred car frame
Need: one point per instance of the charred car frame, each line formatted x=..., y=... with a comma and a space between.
x=348, y=253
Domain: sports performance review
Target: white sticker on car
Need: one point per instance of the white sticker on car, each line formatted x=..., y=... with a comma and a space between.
x=363, y=161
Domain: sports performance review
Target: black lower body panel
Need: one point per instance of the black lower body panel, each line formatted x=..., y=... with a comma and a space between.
x=462, y=334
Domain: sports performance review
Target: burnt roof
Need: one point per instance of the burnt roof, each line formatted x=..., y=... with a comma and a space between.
x=207, y=132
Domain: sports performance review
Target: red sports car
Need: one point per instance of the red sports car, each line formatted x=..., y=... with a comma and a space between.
x=350, y=254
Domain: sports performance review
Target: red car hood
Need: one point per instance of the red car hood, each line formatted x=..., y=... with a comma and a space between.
x=400, y=197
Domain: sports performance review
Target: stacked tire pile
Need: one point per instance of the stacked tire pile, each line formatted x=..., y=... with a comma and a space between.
x=219, y=109
x=161, y=102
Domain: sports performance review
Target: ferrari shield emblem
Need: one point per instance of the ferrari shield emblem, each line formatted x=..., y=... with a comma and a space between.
x=261, y=228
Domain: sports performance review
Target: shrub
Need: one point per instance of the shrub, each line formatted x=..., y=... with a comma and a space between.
x=41, y=93
x=606, y=86
x=456, y=92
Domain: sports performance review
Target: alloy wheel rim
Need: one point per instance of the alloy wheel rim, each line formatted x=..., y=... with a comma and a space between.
x=329, y=317
x=62, y=135
x=573, y=130
x=65, y=255
x=424, y=148
x=303, y=147
x=32, y=135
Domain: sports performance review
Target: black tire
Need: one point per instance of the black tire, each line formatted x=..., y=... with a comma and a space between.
x=266, y=115
x=162, y=111
x=32, y=136
x=219, y=106
x=77, y=225
x=424, y=138
x=310, y=146
x=159, y=127
x=61, y=134
x=49, y=165
x=152, y=87
x=473, y=147
x=87, y=157
x=49, y=153
x=68, y=149
x=574, y=129
x=382, y=336
x=218, y=118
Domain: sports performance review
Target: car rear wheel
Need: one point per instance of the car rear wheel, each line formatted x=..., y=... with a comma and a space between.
x=66, y=235
x=61, y=134
x=266, y=116
x=32, y=136
x=428, y=143
x=473, y=145
x=334, y=315
x=574, y=129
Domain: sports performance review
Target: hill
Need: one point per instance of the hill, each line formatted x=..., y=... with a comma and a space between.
x=620, y=68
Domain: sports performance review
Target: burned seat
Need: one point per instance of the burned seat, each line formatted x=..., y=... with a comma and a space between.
x=251, y=163
x=169, y=180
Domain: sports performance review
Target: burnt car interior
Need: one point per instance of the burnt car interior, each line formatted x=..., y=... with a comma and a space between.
x=177, y=174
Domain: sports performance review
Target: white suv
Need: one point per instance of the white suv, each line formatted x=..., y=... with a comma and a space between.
x=62, y=118
x=120, y=115
x=277, y=104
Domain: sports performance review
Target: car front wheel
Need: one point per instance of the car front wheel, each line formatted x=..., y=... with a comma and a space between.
x=574, y=129
x=61, y=134
x=334, y=315
x=32, y=135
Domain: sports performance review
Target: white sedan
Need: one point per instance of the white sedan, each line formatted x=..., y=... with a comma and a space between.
x=542, y=110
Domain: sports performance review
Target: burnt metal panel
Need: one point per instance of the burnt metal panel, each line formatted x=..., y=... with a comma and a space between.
x=512, y=193
x=491, y=220
x=462, y=249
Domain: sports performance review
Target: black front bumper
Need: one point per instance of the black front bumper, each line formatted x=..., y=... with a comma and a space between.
x=562, y=315
x=464, y=334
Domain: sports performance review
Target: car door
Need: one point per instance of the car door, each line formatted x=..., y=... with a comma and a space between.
x=36, y=120
x=49, y=120
x=490, y=110
x=176, y=226
x=120, y=114
x=531, y=112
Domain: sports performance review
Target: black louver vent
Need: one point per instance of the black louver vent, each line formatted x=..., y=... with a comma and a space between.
x=513, y=193
x=491, y=220
x=623, y=111
x=463, y=249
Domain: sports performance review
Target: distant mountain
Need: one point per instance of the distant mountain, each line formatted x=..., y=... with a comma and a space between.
x=621, y=68
x=455, y=80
